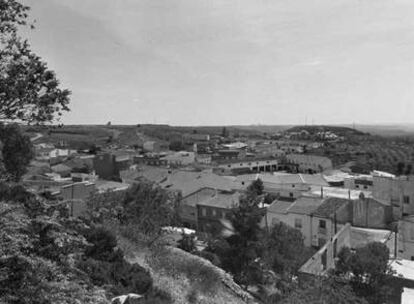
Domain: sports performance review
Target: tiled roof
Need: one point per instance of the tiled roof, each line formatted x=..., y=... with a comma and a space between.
x=279, y=206
x=222, y=200
x=329, y=206
x=189, y=182
x=305, y=205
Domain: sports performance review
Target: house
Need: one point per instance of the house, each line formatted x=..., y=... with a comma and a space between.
x=291, y=185
x=328, y=217
x=105, y=166
x=347, y=236
x=191, y=138
x=188, y=206
x=181, y=158
x=203, y=158
x=247, y=166
x=371, y=213
x=155, y=146
x=405, y=237
x=398, y=191
x=229, y=154
x=310, y=163
x=211, y=211
x=361, y=182
x=318, y=219
x=187, y=182
x=77, y=191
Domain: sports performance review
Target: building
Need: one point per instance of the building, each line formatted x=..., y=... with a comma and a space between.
x=181, y=158
x=203, y=158
x=310, y=163
x=210, y=212
x=296, y=214
x=405, y=238
x=291, y=185
x=229, y=155
x=371, y=213
x=247, y=166
x=362, y=182
x=188, y=206
x=105, y=166
x=397, y=191
x=155, y=146
x=77, y=191
x=191, y=138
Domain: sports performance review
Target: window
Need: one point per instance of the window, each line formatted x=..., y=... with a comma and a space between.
x=203, y=211
x=357, y=186
x=298, y=223
x=322, y=224
x=291, y=194
x=213, y=212
x=406, y=199
x=365, y=187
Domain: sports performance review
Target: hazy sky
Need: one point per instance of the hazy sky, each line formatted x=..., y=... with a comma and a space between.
x=198, y=62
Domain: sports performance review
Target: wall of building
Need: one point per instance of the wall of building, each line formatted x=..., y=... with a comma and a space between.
x=208, y=218
x=104, y=166
x=77, y=191
x=405, y=238
x=310, y=163
x=371, y=214
x=324, y=259
x=188, y=206
x=399, y=192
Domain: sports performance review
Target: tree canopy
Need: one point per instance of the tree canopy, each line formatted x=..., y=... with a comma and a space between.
x=29, y=91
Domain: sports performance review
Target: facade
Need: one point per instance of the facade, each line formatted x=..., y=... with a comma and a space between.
x=371, y=213
x=229, y=155
x=188, y=206
x=405, y=238
x=264, y=165
x=182, y=158
x=397, y=191
x=105, y=166
x=203, y=158
x=359, y=183
x=211, y=211
x=291, y=185
x=155, y=146
x=310, y=163
x=318, y=219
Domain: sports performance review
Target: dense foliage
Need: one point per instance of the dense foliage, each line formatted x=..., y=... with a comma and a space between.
x=16, y=150
x=368, y=270
x=29, y=91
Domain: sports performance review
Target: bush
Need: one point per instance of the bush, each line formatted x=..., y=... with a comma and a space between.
x=103, y=244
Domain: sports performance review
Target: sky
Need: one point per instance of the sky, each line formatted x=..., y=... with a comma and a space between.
x=230, y=62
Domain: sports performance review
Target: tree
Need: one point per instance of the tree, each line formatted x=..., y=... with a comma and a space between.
x=400, y=168
x=323, y=290
x=255, y=188
x=239, y=253
x=368, y=269
x=284, y=249
x=224, y=132
x=29, y=91
x=17, y=151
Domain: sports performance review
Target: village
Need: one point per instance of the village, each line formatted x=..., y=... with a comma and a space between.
x=331, y=206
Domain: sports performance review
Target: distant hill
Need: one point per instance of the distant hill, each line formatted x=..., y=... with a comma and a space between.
x=338, y=130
